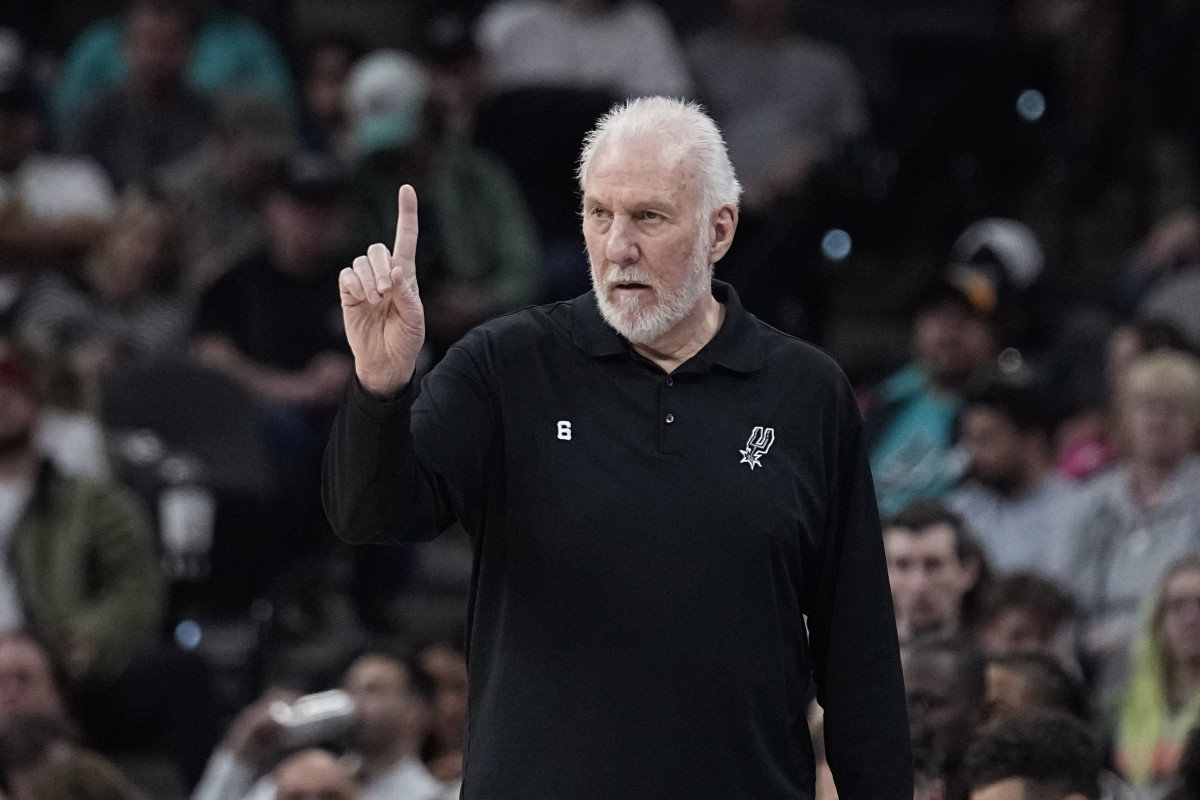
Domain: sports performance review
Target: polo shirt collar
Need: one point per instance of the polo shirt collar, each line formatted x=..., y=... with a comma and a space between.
x=738, y=345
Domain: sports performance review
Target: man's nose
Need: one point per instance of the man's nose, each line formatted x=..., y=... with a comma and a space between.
x=620, y=245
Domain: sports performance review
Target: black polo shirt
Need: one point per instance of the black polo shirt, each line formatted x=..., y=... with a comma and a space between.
x=647, y=547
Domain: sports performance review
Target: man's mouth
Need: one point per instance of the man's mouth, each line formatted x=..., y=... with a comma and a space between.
x=630, y=285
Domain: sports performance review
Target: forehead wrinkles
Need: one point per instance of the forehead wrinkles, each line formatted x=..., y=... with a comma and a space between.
x=655, y=161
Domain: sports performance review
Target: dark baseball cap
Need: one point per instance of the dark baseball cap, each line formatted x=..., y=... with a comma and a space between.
x=313, y=179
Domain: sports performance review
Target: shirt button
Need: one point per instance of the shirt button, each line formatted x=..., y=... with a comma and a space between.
x=670, y=381
x=669, y=418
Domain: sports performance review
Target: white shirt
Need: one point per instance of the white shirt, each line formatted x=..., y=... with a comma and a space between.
x=226, y=778
x=629, y=49
x=54, y=188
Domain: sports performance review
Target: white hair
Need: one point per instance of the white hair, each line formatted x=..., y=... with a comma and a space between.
x=690, y=128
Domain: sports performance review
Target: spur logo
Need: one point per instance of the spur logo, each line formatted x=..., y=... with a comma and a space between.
x=757, y=445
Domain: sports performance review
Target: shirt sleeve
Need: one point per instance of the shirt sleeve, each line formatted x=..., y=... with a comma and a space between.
x=404, y=469
x=852, y=633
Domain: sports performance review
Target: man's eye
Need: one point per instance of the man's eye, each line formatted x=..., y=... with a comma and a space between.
x=651, y=216
x=599, y=212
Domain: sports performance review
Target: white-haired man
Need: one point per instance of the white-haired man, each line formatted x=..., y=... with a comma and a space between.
x=659, y=488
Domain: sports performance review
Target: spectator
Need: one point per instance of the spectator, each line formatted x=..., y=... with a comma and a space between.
x=152, y=118
x=51, y=207
x=314, y=775
x=1161, y=702
x=783, y=100
x=1043, y=754
x=1021, y=682
x=391, y=719
x=932, y=565
x=1021, y=613
x=946, y=688
x=1086, y=442
x=231, y=52
x=443, y=751
x=457, y=75
x=623, y=46
x=218, y=188
x=123, y=306
x=1131, y=522
x=1014, y=498
x=910, y=417
x=480, y=255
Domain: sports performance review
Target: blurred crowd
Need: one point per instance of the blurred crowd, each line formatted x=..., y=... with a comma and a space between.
x=987, y=210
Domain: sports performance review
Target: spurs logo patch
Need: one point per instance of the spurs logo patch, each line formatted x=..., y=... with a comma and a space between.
x=757, y=445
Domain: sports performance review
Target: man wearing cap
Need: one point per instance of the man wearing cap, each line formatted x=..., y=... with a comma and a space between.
x=52, y=207
x=479, y=255
x=670, y=504
x=910, y=417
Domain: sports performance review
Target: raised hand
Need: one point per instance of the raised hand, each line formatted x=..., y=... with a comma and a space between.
x=381, y=307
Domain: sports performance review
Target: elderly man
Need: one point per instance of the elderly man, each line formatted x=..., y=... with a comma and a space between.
x=659, y=490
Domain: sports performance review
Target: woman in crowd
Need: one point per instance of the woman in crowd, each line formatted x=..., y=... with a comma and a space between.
x=123, y=306
x=1133, y=520
x=1162, y=700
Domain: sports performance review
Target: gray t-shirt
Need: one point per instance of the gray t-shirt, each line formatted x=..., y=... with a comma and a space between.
x=1018, y=533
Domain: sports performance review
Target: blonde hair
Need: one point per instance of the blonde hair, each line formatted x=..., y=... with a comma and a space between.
x=1162, y=371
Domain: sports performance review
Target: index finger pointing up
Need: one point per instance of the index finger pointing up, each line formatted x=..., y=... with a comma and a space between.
x=405, y=248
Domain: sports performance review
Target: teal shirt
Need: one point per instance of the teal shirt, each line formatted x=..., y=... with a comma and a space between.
x=231, y=51
x=913, y=458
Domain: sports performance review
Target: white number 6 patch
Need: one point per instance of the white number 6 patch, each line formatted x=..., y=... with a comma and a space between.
x=564, y=430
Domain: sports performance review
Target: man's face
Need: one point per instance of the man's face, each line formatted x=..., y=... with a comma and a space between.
x=313, y=775
x=1010, y=691
x=26, y=682
x=928, y=581
x=302, y=233
x=157, y=48
x=1010, y=789
x=996, y=448
x=936, y=699
x=1180, y=624
x=950, y=343
x=1015, y=630
x=383, y=703
x=646, y=241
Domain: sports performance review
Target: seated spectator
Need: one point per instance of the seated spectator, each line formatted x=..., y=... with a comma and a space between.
x=52, y=207
x=123, y=305
x=315, y=775
x=932, y=565
x=1132, y=521
x=231, y=52
x=77, y=775
x=391, y=720
x=623, y=46
x=946, y=689
x=218, y=187
x=443, y=750
x=1013, y=496
x=272, y=322
x=1043, y=754
x=1161, y=702
x=82, y=573
x=479, y=255
x=152, y=117
x=1021, y=613
x=910, y=416
x=783, y=100
x=1020, y=682
x=1086, y=441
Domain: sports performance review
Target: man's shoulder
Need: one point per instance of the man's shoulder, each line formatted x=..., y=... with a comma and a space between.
x=527, y=327
x=783, y=351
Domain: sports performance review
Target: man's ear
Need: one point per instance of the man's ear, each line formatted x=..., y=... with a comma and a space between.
x=723, y=222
